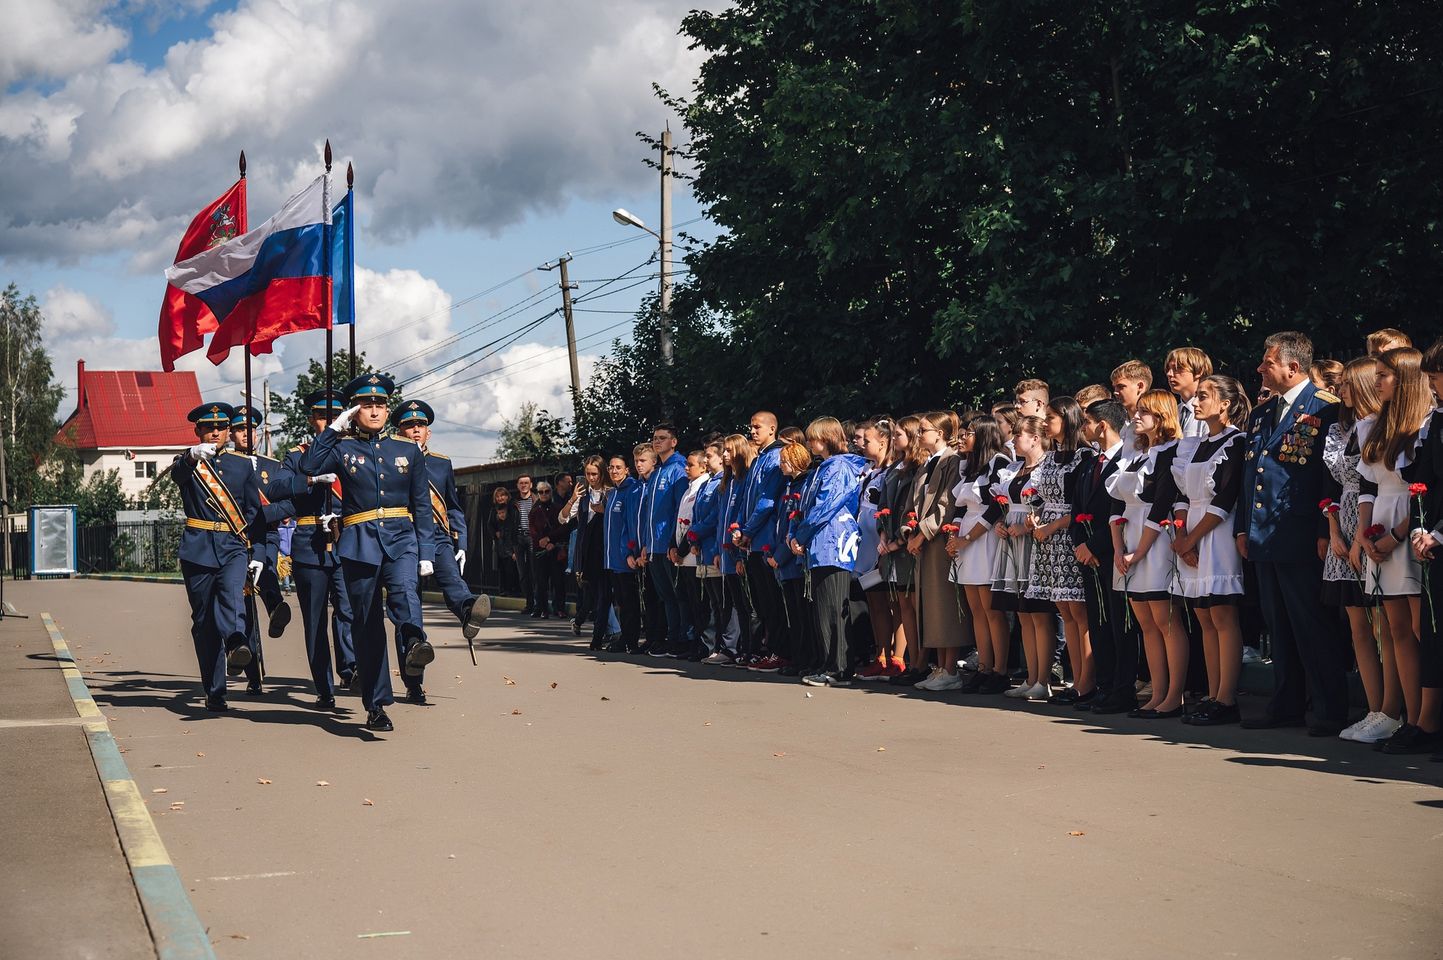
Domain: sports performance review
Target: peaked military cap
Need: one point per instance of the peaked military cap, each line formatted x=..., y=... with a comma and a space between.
x=370, y=385
x=244, y=416
x=412, y=411
x=319, y=401
x=212, y=414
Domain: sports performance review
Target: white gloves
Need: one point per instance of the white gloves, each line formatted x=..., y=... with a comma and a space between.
x=461, y=561
x=202, y=451
x=343, y=423
x=427, y=568
x=323, y=479
x=326, y=518
x=254, y=569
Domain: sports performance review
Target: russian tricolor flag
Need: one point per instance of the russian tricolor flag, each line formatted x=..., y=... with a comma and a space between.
x=269, y=282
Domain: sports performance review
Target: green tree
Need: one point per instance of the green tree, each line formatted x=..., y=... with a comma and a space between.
x=533, y=435
x=292, y=407
x=922, y=203
x=29, y=396
x=99, y=497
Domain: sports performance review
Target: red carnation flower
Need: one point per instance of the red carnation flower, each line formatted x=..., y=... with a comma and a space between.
x=1030, y=492
x=1002, y=500
x=911, y=514
x=1324, y=504
x=767, y=548
x=631, y=544
x=684, y=522
x=1119, y=521
x=1375, y=531
x=1417, y=489
x=1084, y=518
x=1333, y=508
x=735, y=526
x=794, y=514
x=693, y=538
x=884, y=512
x=950, y=528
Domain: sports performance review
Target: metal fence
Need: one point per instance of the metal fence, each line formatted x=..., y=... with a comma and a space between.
x=145, y=547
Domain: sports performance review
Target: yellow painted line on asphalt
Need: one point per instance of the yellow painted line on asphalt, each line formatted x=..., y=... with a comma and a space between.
x=174, y=926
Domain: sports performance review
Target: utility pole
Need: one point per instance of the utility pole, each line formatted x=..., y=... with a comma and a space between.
x=266, y=419
x=566, y=287
x=666, y=178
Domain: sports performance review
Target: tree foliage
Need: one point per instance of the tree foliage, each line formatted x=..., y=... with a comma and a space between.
x=29, y=397
x=292, y=407
x=922, y=203
x=533, y=434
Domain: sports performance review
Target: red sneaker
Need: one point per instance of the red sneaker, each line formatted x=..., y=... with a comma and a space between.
x=768, y=664
x=874, y=669
x=895, y=667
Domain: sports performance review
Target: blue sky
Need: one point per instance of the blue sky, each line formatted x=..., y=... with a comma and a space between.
x=470, y=173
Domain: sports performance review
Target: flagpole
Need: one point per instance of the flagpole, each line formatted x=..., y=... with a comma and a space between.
x=329, y=324
x=251, y=336
x=351, y=226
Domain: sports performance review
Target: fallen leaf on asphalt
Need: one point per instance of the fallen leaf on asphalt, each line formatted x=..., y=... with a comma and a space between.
x=451, y=857
x=1076, y=833
x=262, y=780
x=323, y=783
x=112, y=719
x=160, y=790
x=177, y=804
x=516, y=713
x=553, y=684
x=509, y=681
x=368, y=803
x=239, y=936
x=706, y=723
x=200, y=754
x=881, y=749
x=606, y=698
x=779, y=754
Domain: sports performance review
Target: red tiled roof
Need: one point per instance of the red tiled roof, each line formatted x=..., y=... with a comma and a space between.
x=131, y=408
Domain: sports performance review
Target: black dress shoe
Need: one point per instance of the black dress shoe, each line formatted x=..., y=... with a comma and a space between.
x=909, y=677
x=474, y=614
x=418, y=656
x=325, y=702
x=1325, y=728
x=254, y=689
x=1417, y=741
x=792, y=670
x=216, y=704
x=354, y=684
x=1141, y=713
x=576, y=628
x=279, y=619
x=1115, y=705
x=615, y=646
x=377, y=720
x=996, y=683
x=1162, y=714
x=1197, y=709
x=417, y=695
x=1064, y=697
x=1272, y=723
x=237, y=659
x=974, y=683
x=1216, y=715
x=1086, y=700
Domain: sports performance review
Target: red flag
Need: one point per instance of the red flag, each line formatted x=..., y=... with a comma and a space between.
x=184, y=318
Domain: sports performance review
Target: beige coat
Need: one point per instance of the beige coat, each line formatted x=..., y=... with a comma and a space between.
x=938, y=611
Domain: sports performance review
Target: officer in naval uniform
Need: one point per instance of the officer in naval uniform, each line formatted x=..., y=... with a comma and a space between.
x=1279, y=528
x=221, y=497
x=265, y=550
x=412, y=420
x=385, y=517
x=314, y=561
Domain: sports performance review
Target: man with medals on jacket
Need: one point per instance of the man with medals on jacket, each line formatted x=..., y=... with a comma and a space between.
x=265, y=549
x=222, y=501
x=385, y=517
x=315, y=564
x=447, y=551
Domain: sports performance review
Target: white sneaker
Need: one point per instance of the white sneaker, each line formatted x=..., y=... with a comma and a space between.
x=922, y=684
x=1253, y=655
x=1018, y=692
x=947, y=681
x=1039, y=693
x=1379, y=730
x=1351, y=732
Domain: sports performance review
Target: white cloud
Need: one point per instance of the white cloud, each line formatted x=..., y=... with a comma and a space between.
x=69, y=313
x=472, y=115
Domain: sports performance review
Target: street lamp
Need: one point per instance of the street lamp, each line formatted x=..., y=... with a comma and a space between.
x=629, y=219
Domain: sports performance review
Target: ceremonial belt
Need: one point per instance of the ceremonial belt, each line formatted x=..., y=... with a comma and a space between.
x=220, y=500
x=307, y=521
x=438, y=510
x=214, y=526
x=384, y=513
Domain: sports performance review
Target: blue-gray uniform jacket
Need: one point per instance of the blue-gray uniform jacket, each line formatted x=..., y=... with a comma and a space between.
x=1284, y=477
x=213, y=548
x=827, y=525
x=445, y=503
x=308, y=544
x=266, y=529
x=378, y=473
x=760, y=496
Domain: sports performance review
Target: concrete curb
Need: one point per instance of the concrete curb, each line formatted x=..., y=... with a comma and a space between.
x=174, y=925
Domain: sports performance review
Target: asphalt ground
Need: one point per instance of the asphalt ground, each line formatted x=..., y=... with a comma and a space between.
x=556, y=804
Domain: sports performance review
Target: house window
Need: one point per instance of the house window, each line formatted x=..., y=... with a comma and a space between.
x=145, y=469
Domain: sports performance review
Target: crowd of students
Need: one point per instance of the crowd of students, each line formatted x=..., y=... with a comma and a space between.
x=1125, y=539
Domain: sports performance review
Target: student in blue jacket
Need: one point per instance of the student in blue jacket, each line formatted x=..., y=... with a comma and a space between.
x=660, y=498
x=621, y=552
x=826, y=536
x=757, y=532
x=703, y=541
x=737, y=457
x=799, y=649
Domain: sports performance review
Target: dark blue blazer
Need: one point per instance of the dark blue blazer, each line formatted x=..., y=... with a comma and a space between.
x=214, y=549
x=1284, y=477
x=443, y=478
x=376, y=472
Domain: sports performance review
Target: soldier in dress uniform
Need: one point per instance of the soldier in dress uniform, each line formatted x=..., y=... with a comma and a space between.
x=412, y=420
x=315, y=564
x=385, y=518
x=221, y=496
x=1279, y=528
x=265, y=550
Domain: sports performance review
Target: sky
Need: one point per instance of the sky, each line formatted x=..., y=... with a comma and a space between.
x=485, y=140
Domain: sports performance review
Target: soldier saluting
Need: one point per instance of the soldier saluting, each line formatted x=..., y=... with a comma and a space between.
x=314, y=561
x=385, y=517
x=447, y=551
x=221, y=496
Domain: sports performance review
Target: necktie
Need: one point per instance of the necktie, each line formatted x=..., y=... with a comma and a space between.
x=1184, y=414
